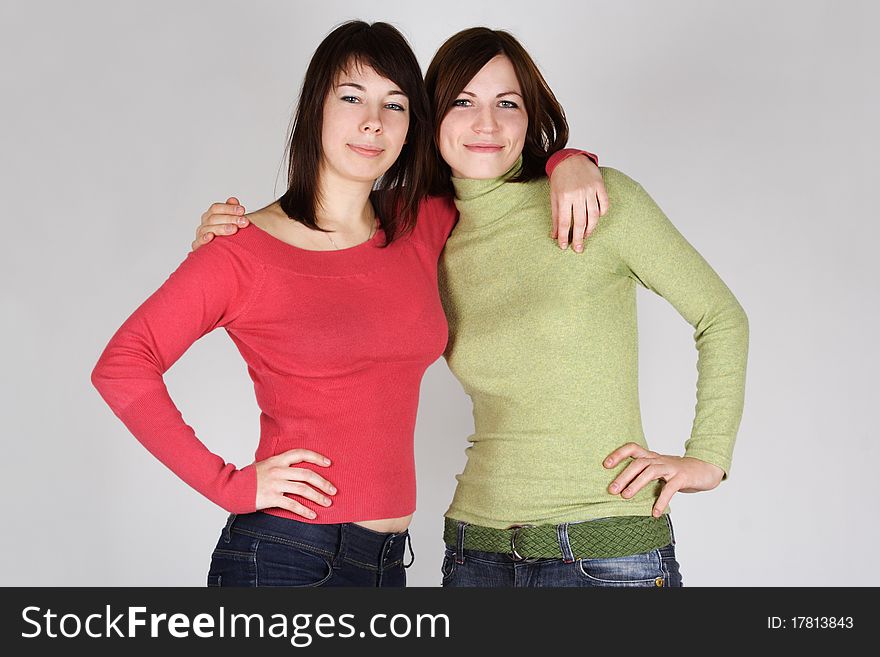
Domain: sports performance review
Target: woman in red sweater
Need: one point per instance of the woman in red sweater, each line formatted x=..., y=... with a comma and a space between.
x=332, y=300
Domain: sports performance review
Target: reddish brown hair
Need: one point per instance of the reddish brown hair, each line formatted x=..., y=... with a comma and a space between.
x=458, y=60
x=397, y=193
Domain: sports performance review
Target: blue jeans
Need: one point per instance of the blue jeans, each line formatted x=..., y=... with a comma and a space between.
x=259, y=549
x=463, y=568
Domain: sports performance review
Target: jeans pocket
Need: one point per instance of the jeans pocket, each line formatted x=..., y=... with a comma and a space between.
x=281, y=564
x=230, y=568
x=644, y=569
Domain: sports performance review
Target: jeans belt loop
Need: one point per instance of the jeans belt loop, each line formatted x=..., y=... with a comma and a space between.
x=459, y=545
x=671, y=531
x=339, y=557
x=227, y=530
x=564, y=543
x=412, y=555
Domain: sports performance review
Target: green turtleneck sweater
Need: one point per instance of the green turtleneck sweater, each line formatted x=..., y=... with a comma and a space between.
x=545, y=343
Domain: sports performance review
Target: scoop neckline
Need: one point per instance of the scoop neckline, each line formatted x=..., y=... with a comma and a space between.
x=373, y=239
x=352, y=261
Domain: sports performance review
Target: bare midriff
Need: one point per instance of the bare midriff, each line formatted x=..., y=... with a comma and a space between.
x=387, y=525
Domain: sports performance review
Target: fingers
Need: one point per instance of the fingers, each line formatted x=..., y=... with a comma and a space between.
x=286, y=459
x=313, y=478
x=295, y=507
x=670, y=488
x=627, y=450
x=580, y=215
x=554, y=211
x=592, y=213
x=206, y=232
x=220, y=219
x=225, y=215
x=198, y=242
x=223, y=212
x=301, y=482
x=299, y=455
x=602, y=198
x=649, y=473
x=564, y=225
x=579, y=210
x=273, y=487
x=223, y=219
x=629, y=473
x=306, y=491
x=276, y=480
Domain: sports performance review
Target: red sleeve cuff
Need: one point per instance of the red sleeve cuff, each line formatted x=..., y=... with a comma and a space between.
x=240, y=492
x=565, y=153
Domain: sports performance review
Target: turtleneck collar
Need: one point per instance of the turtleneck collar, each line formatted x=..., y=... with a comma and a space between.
x=482, y=202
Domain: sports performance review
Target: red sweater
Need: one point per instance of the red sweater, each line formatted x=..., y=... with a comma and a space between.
x=336, y=343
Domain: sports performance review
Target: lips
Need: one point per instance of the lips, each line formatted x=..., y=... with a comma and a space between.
x=483, y=147
x=366, y=150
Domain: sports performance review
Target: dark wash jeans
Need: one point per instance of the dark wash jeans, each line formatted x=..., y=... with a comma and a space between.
x=259, y=549
x=464, y=568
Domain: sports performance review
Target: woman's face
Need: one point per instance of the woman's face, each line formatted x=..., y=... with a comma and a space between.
x=366, y=119
x=483, y=134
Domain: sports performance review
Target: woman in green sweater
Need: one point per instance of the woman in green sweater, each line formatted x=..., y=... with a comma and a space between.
x=550, y=498
x=571, y=498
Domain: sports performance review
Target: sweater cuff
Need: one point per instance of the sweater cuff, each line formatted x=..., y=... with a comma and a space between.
x=709, y=456
x=563, y=154
x=240, y=491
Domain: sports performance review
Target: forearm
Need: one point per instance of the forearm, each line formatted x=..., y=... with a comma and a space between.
x=129, y=373
x=660, y=258
x=722, y=339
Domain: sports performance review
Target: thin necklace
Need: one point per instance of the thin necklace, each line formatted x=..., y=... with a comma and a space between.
x=372, y=229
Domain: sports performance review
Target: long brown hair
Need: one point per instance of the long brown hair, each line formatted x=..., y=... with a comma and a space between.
x=396, y=195
x=458, y=60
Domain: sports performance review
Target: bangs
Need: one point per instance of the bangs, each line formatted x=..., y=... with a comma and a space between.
x=366, y=50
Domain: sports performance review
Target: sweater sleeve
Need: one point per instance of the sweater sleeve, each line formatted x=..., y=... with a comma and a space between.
x=563, y=154
x=657, y=256
x=211, y=288
x=437, y=218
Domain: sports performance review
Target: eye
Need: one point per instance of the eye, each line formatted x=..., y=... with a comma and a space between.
x=461, y=102
x=350, y=99
x=508, y=104
x=396, y=107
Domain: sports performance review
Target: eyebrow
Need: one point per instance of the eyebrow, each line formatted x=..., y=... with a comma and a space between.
x=503, y=93
x=393, y=92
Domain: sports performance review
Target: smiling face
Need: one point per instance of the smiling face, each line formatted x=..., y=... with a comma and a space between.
x=483, y=133
x=365, y=123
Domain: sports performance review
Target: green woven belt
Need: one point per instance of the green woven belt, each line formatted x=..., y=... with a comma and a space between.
x=619, y=536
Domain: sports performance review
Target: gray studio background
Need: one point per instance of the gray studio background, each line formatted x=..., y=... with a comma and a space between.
x=753, y=124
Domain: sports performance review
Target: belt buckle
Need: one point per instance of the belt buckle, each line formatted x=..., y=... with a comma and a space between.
x=516, y=556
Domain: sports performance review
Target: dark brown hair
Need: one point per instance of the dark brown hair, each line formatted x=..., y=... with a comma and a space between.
x=458, y=60
x=397, y=193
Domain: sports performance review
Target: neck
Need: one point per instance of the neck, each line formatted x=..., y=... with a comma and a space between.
x=483, y=202
x=343, y=205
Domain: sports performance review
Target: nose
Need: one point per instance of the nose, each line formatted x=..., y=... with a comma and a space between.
x=485, y=121
x=372, y=124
